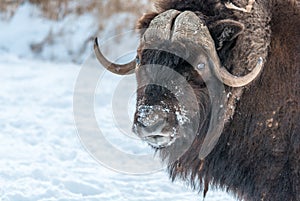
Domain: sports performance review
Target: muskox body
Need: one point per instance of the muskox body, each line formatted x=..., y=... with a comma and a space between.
x=257, y=156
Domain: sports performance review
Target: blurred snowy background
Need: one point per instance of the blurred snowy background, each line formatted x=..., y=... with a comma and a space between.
x=43, y=45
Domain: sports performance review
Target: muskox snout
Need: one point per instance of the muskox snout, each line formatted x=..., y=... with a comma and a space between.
x=152, y=125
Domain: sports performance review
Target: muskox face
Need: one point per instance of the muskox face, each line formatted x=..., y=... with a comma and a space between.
x=168, y=95
x=176, y=58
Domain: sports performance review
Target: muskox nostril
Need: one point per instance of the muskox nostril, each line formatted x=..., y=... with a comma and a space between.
x=151, y=116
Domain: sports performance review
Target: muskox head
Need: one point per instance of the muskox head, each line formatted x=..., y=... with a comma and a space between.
x=176, y=60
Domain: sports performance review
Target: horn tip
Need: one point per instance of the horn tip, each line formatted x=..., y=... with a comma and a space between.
x=96, y=41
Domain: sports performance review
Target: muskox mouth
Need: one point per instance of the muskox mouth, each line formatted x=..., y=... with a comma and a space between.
x=158, y=138
x=160, y=141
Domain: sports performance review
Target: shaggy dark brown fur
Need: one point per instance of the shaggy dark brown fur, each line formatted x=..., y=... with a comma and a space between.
x=258, y=154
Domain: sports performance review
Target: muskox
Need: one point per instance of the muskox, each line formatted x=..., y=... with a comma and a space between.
x=225, y=110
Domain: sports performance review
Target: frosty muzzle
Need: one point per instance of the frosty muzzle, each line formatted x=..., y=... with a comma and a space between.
x=152, y=125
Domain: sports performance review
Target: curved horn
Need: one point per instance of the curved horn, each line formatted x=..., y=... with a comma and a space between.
x=234, y=81
x=189, y=26
x=120, y=69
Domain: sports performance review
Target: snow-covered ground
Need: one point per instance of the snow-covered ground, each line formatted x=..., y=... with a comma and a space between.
x=43, y=155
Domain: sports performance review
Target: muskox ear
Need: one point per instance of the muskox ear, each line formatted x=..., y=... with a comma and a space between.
x=225, y=31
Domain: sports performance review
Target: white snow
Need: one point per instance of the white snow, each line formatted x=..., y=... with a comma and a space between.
x=41, y=155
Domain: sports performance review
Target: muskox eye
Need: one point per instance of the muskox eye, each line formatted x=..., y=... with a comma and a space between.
x=137, y=60
x=201, y=66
